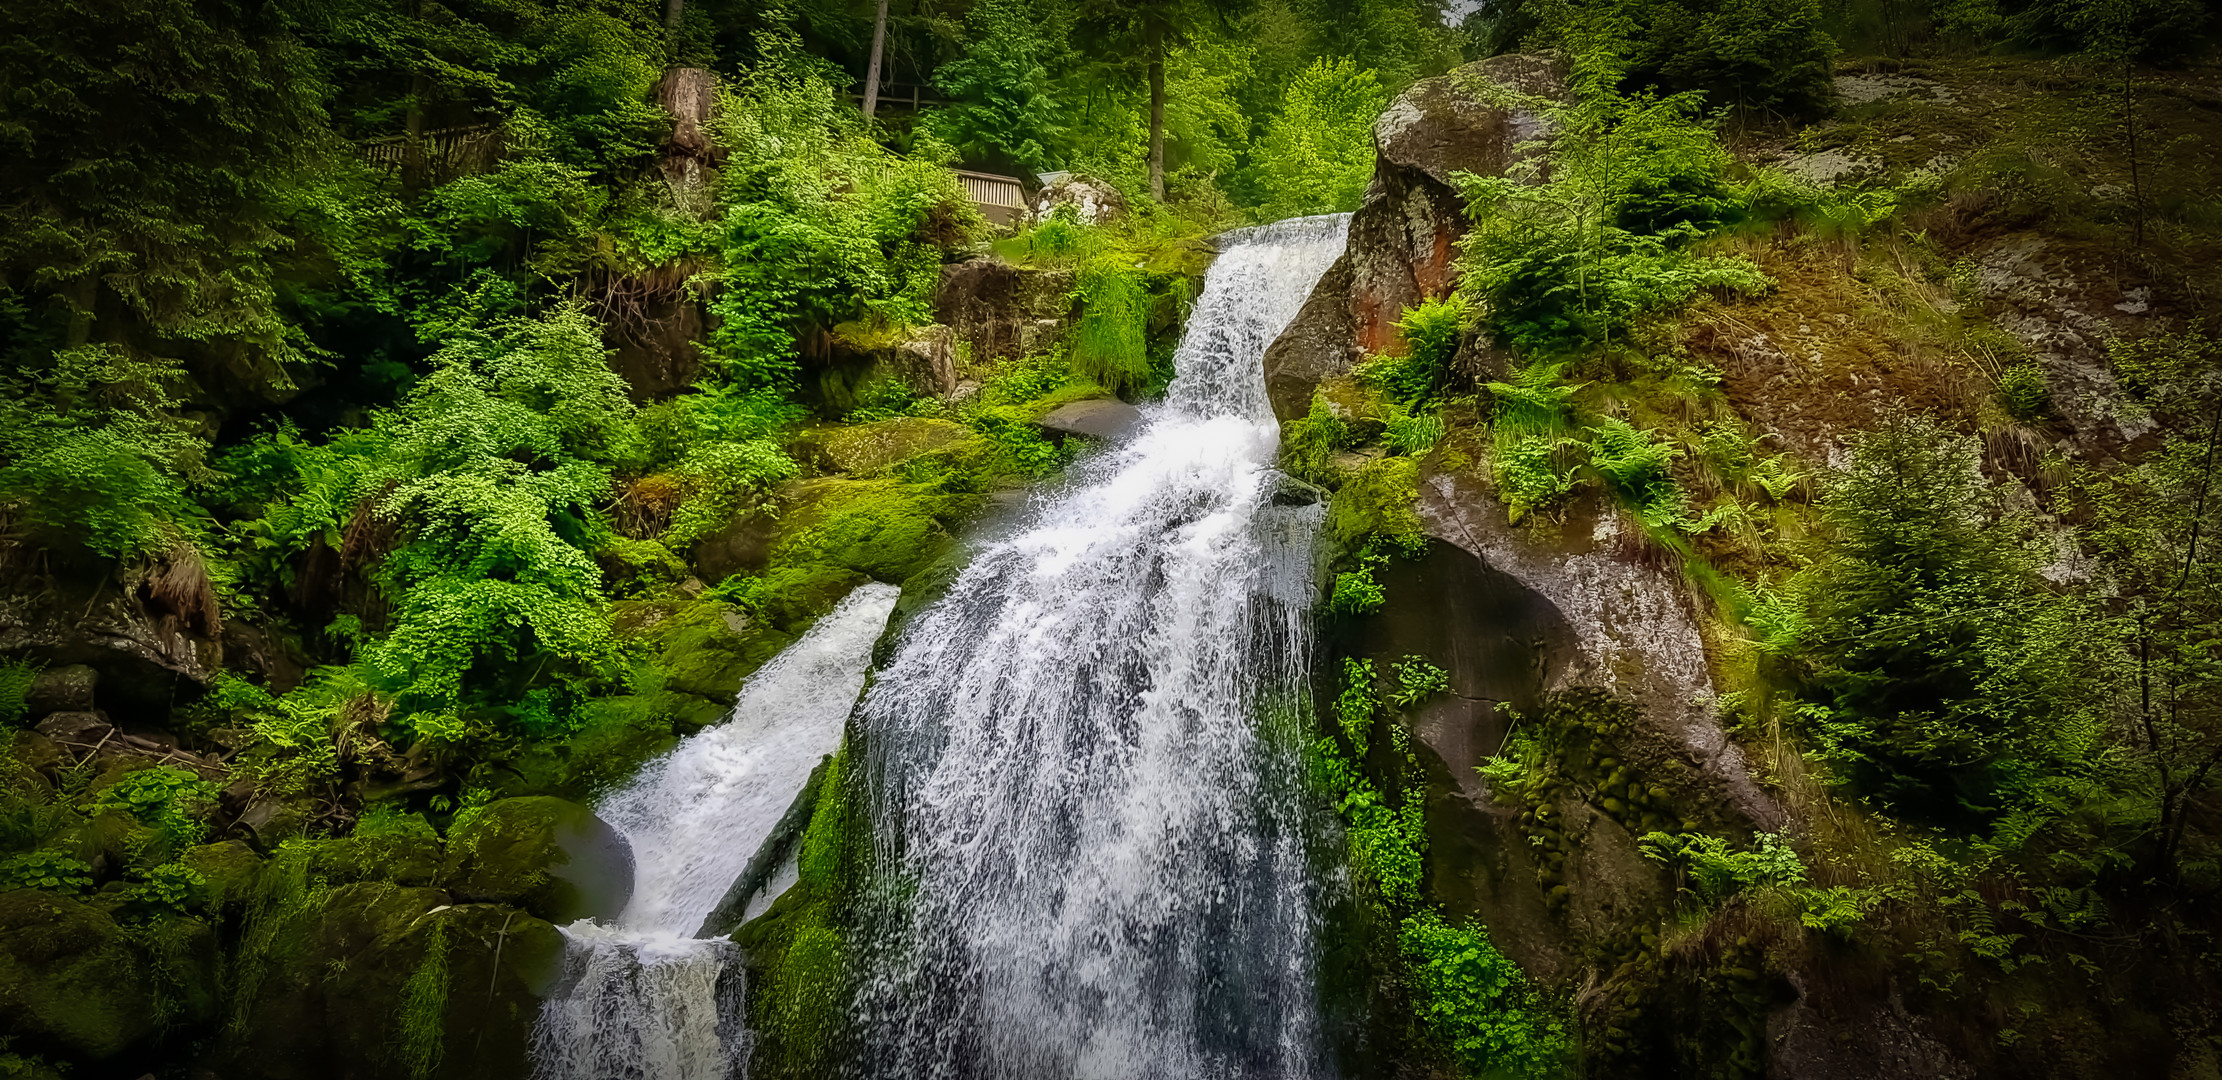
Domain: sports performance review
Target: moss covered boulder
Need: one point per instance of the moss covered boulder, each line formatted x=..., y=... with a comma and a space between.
x=71, y=983
x=550, y=856
x=868, y=448
x=375, y=980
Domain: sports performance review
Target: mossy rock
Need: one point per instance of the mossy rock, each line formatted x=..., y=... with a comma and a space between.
x=370, y=961
x=1377, y=499
x=869, y=448
x=399, y=858
x=550, y=856
x=71, y=983
x=876, y=528
x=229, y=868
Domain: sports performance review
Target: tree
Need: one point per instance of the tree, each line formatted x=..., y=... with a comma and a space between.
x=1149, y=30
x=1953, y=679
x=1005, y=108
x=2157, y=529
x=146, y=151
x=1318, y=153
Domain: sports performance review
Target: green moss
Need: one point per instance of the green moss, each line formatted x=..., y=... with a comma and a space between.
x=798, y=956
x=878, y=528
x=1377, y=500
x=70, y=978
x=550, y=856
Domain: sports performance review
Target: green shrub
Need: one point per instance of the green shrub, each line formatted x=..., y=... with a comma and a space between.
x=1309, y=443
x=2024, y=393
x=1574, y=255
x=1110, y=344
x=45, y=870
x=165, y=798
x=1479, y=1004
x=1718, y=871
x=1417, y=679
x=169, y=887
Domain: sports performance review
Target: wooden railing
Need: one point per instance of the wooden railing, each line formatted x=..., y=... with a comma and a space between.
x=448, y=152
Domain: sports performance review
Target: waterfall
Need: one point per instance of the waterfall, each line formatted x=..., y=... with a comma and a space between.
x=1083, y=762
x=644, y=998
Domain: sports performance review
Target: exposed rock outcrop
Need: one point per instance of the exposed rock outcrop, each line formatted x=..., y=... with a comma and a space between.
x=141, y=655
x=1404, y=236
x=996, y=310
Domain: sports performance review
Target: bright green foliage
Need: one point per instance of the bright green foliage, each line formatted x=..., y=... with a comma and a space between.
x=1417, y=679
x=1308, y=444
x=1638, y=471
x=45, y=870
x=821, y=224
x=1355, y=592
x=1317, y=154
x=170, y=887
x=496, y=462
x=1479, y=1003
x=165, y=798
x=1430, y=333
x=1717, y=871
x=94, y=454
x=1572, y=255
x=1110, y=345
x=1386, y=842
x=1355, y=705
x=1412, y=434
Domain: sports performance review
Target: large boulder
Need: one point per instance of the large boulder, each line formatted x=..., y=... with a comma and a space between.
x=375, y=980
x=69, y=980
x=552, y=857
x=1405, y=235
x=995, y=310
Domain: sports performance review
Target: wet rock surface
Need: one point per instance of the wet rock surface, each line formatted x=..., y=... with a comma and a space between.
x=1097, y=418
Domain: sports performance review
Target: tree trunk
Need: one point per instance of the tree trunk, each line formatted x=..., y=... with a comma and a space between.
x=872, y=75
x=1156, y=47
x=674, y=10
x=412, y=147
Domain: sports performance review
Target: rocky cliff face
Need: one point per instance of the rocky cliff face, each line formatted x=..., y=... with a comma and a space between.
x=1405, y=235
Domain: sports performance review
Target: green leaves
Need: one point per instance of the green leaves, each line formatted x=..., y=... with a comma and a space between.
x=45, y=870
x=1479, y=1003
x=1317, y=153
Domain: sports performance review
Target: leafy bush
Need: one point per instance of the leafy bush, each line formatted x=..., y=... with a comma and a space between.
x=1417, y=679
x=2024, y=393
x=1412, y=434
x=1308, y=444
x=94, y=455
x=1719, y=871
x=164, y=797
x=1479, y=1003
x=1576, y=254
x=45, y=870
x=169, y=887
x=1430, y=334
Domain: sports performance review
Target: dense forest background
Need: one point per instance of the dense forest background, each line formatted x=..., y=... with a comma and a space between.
x=418, y=414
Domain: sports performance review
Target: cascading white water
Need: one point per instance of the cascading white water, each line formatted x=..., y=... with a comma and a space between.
x=1084, y=772
x=643, y=998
